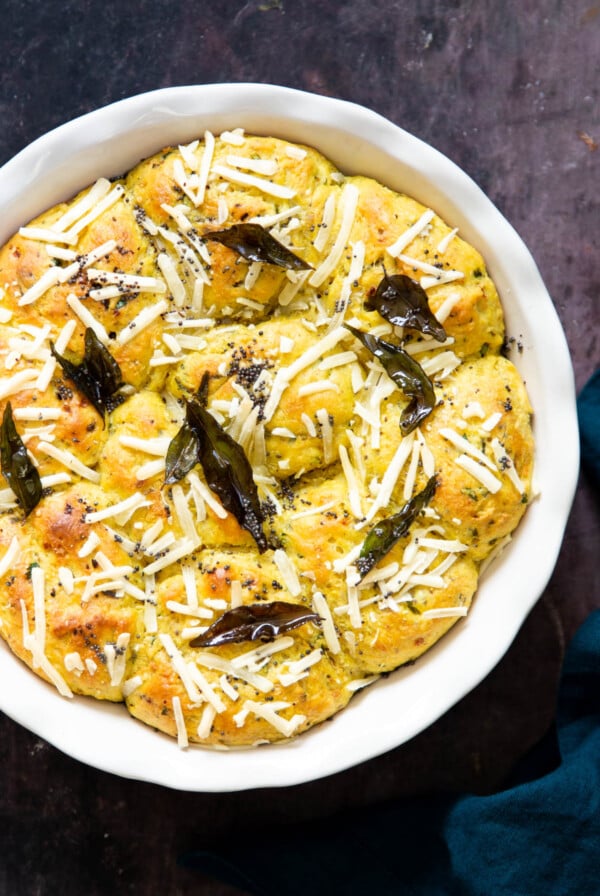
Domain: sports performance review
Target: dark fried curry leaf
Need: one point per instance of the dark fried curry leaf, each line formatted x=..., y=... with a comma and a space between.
x=226, y=468
x=228, y=472
x=98, y=375
x=16, y=466
x=403, y=302
x=408, y=375
x=254, y=243
x=182, y=455
x=258, y=622
x=384, y=534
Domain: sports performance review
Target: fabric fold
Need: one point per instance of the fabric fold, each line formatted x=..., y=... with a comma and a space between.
x=539, y=835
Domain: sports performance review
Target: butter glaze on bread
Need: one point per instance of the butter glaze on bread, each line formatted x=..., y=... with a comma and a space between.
x=112, y=575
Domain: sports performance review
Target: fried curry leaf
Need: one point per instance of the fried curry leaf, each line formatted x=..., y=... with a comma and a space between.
x=254, y=243
x=98, y=375
x=259, y=622
x=408, y=375
x=183, y=454
x=226, y=468
x=384, y=535
x=404, y=303
x=16, y=466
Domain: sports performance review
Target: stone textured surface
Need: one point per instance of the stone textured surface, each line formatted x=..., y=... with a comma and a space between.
x=509, y=91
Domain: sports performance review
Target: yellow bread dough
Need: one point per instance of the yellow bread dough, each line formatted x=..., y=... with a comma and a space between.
x=111, y=577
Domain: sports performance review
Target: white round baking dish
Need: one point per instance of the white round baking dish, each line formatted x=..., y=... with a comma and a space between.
x=110, y=141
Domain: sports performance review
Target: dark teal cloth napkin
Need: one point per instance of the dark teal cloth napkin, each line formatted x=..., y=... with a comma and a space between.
x=540, y=835
x=588, y=407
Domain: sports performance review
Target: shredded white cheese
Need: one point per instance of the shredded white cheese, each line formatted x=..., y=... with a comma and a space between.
x=444, y=612
x=91, y=542
x=10, y=557
x=352, y=482
x=207, y=157
x=445, y=241
x=156, y=446
x=359, y=683
x=76, y=211
x=479, y=472
x=202, y=490
x=506, y=464
x=391, y=476
x=329, y=631
x=292, y=287
x=322, y=416
x=39, y=659
x=73, y=663
x=180, y=549
x=410, y=234
x=218, y=663
x=348, y=205
x=206, y=721
x=87, y=318
x=295, y=152
x=313, y=511
x=288, y=572
x=127, y=504
x=445, y=309
x=268, y=167
x=269, y=712
x=182, y=738
x=131, y=685
x=188, y=609
x=491, y=422
x=256, y=658
x=48, y=279
x=181, y=667
x=235, y=137
x=13, y=384
x=318, y=386
x=252, y=276
x=438, y=275
x=310, y=426
x=184, y=516
x=286, y=374
x=206, y=689
x=249, y=180
x=338, y=360
x=464, y=445
x=324, y=231
x=278, y=218
x=69, y=460
x=118, y=658
x=141, y=321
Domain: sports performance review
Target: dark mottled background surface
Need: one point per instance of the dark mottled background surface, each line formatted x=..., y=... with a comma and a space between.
x=509, y=91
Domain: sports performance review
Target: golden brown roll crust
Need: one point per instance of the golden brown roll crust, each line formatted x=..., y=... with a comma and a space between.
x=311, y=697
x=469, y=510
x=110, y=580
x=82, y=627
